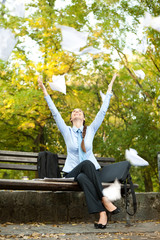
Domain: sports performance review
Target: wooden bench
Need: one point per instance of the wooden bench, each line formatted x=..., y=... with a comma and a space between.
x=27, y=161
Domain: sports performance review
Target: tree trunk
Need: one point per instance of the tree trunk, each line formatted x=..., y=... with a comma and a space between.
x=40, y=141
x=147, y=181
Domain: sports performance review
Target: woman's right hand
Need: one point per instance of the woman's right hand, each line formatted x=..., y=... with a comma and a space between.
x=41, y=85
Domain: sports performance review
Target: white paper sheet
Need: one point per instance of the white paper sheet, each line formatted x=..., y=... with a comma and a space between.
x=90, y=49
x=153, y=22
x=15, y=7
x=7, y=38
x=58, y=83
x=73, y=40
x=7, y=43
x=142, y=47
x=132, y=156
x=140, y=74
x=113, y=192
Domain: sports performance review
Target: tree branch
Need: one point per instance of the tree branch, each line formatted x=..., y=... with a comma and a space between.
x=154, y=62
x=131, y=74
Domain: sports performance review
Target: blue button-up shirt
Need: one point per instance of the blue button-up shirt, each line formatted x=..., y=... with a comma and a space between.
x=70, y=134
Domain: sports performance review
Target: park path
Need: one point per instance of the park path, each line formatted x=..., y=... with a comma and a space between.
x=81, y=231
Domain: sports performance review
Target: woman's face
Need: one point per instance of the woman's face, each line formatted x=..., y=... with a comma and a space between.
x=77, y=114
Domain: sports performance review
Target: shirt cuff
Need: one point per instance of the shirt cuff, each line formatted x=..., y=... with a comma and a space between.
x=46, y=97
x=110, y=93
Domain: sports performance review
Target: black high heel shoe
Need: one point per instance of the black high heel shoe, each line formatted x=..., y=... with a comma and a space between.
x=99, y=226
x=116, y=211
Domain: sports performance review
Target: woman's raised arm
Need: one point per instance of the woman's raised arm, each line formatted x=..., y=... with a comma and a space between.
x=102, y=112
x=56, y=115
x=111, y=83
x=41, y=85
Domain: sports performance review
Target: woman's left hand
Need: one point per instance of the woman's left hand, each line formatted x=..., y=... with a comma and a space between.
x=111, y=83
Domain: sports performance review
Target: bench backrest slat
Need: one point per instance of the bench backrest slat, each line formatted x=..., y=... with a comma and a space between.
x=12, y=160
x=105, y=159
x=16, y=153
x=18, y=159
x=18, y=167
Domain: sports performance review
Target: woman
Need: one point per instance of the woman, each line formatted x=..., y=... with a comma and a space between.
x=80, y=162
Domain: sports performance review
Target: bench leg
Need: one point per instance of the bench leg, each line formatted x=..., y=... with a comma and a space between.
x=128, y=221
x=127, y=202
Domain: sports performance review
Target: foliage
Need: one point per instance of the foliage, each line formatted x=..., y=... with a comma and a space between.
x=133, y=117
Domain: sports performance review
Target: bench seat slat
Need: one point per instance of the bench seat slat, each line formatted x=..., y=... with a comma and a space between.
x=38, y=185
x=42, y=185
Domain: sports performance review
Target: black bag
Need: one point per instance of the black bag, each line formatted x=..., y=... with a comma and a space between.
x=120, y=170
x=47, y=165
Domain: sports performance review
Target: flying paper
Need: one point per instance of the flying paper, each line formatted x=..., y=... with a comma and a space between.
x=91, y=50
x=73, y=40
x=58, y=83
x=140, y=74
x=132, y=156
x=142, y=47
x=113, y=192
x=7, y=38
x=8, y=42
x=153, y=22
x=15, y=7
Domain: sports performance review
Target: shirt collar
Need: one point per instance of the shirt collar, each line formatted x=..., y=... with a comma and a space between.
x=75, y=129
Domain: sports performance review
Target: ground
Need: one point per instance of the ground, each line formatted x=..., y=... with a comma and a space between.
x=81, y=231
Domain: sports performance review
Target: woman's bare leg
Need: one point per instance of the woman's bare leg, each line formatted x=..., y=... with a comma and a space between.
x=108, y=204
x=102, y=218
